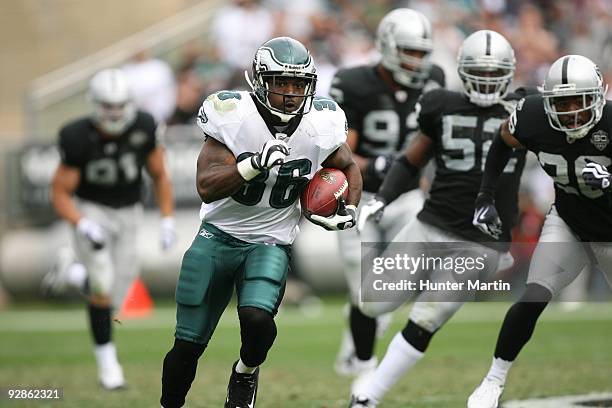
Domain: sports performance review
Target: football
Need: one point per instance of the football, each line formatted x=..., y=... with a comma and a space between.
x=321, y=194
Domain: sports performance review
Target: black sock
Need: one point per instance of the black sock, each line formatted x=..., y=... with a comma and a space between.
x=520, y=322
x=180, y=365
x=363, y=330
x=417, y=336
x=100, y=323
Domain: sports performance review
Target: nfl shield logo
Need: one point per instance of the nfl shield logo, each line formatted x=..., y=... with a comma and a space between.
x=600, y=140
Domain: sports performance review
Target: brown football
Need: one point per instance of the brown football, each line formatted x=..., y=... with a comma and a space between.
x=321, y=194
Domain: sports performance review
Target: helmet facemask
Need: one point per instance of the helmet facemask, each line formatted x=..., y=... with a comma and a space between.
x=113, y=107
x=486, y=66
x=486, y=83
x=294, y=88
x=401, y=35
x=570, y=121
x=284, y=78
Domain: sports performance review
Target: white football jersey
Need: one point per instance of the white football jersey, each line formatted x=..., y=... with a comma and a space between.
x=267, y=209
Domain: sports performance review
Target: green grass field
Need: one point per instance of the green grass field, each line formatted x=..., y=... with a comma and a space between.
x=50, y=347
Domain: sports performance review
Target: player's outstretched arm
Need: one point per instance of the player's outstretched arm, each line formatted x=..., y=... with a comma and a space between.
x=497, y=158
x=486, y=217
x=342, y=159
x=398, y=179
x=156, y=167
x=217, y=175
x=65, y=181
x=405, y=168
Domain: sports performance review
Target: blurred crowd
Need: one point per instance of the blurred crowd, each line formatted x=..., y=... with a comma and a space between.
x=341, y=33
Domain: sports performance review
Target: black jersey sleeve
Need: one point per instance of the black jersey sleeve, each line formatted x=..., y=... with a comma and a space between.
x=148, y=125
x=428, y=108
x=437, y=75
x=71, y=145
x=527, y=113
x=343, y=94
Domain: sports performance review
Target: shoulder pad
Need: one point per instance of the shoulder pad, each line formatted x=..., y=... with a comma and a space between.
x=222, y=108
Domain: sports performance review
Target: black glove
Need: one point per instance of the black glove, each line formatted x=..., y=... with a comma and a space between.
x=486, y=218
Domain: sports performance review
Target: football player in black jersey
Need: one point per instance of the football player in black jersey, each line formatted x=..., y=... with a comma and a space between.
x=456, y=129
x=379, y=102
x=568, y=128
x=97, y=189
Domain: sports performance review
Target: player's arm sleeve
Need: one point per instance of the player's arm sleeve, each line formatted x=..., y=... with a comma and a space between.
x=397, y=180
x=150, y=128
x=438, y=77
x=70, y=150
x=428, y=111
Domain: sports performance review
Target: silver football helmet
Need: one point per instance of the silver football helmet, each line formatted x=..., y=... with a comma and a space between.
x=111, y=98
x=405, y=29
x=574, y=76
x=486, y=65
x=276, y=60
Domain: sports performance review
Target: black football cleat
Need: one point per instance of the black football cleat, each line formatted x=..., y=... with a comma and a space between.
x=242, y=389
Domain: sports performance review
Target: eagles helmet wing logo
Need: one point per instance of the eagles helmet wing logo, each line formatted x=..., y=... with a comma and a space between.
x=328, y=177
x=600, y=140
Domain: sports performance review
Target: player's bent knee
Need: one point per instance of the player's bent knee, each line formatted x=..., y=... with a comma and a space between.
x=257, y=332
x=100, y=300
x=256, y=321
x=376, y=309
x=433, y=315
x=536, y=293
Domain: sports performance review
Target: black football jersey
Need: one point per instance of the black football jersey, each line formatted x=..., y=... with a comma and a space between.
x=586, y=210
x=111, y=167
x=384, y=118
x=462, y=133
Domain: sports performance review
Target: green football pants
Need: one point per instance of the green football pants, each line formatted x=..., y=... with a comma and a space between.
x=215, y=263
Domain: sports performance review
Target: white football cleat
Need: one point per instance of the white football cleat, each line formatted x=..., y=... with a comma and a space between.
x=360, y=401
x=486, y=395
x=365, y=370
x=110, y=372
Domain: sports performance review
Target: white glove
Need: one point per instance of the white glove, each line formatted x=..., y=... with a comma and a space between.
x=374, y=207
x=167, y=233
x=273, y=153
x=344, y=218
x=92, y=231
x=596, y=175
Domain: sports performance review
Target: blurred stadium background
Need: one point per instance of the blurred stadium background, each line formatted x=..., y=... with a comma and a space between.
x=177, y=52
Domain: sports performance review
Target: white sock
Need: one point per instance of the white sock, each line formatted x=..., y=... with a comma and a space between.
x=244, y=369
x=76, y=276
x=499, y=370
x=400, y=357
x=106, y=354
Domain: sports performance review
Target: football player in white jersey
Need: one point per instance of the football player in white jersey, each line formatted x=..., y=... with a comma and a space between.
x=261, y=148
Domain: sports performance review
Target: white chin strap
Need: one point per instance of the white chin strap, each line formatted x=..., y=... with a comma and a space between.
x=573, y=135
